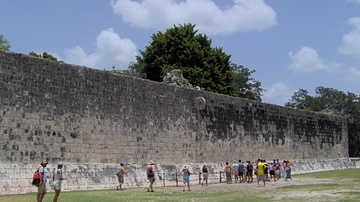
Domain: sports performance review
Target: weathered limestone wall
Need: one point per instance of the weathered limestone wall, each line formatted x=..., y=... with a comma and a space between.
x=61, y=112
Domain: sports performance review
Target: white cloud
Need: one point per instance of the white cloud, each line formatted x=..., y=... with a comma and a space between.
x=111, y=50
x=242, y=15
x=308, y=60
x=351, y=41
x=279, y=93
x=353, y=76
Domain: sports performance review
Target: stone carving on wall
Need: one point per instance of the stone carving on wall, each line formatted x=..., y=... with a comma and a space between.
x=200, y=103
x=175, y=77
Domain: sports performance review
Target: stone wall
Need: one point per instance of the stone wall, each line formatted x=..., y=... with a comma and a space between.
x=60, y=112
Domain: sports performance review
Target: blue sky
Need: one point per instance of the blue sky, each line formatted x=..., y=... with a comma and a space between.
x=291, y=44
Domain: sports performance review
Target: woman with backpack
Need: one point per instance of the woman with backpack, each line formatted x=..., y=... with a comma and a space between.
x=150, y=174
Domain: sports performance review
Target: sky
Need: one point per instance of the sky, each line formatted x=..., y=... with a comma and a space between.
x=291, y=44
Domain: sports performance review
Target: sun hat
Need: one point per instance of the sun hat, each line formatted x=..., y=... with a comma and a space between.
x=44, y=162
x=186, y=166
x=151, y=162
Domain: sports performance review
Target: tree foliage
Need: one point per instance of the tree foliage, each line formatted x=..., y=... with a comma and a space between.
x=181, y=47
x=4, y=44
x=329, y=100
x=44, y=55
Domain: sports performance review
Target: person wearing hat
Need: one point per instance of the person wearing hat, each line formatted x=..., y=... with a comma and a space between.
x=121, y=175
x=42, y=186
x=186, y=177
x=150, y=174
x=57, y=179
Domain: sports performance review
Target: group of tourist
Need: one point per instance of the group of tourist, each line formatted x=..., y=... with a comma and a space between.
x=57, y=178
x=242, y=172
x=264, y=171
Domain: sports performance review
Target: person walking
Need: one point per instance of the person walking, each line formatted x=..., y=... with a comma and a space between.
x=287, y=170
x=150, y=173
x=186, y=177
x=205, y=172
x=42, y=186
x=57, y=180
x=120, y=175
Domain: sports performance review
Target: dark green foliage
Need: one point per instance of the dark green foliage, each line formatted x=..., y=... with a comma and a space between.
x=332, y=101
x=44, y=55
x=210, y=68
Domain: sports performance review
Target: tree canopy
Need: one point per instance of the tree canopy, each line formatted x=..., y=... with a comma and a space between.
x=332, y=101
x=181, y=47
x=4, y=44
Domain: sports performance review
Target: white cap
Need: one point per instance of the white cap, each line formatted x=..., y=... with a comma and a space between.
x=60, y=164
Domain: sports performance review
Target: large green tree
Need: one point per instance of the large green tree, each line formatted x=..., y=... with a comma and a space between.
x=332, y=101
x=181, y=47
x=4, y=44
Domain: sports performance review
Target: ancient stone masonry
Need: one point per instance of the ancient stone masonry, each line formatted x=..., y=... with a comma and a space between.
x=61, y=112
x=57, y=111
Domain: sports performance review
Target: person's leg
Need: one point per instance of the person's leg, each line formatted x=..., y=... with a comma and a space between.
x=119, y=180
x=38, y=197
x=56, y=196
x=42, y=196
x=41, y=192
x=152, y=184
x=188, y=185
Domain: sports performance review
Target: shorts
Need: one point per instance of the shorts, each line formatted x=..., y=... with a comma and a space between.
x=151, y=179
x=272, y=172
x=277, y=172
x=205, y=176
x=121, y=179
x=186, y=180
x=241, y=173
x=42, y=188
x=228, y=175
x=249, y=173
x=261, y=178
x=56, y=185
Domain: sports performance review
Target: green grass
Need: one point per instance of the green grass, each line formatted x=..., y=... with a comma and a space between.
x=336, y=174
x=339, y=185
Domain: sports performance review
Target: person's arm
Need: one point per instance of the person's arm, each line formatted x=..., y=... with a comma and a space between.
x=41, y=177
x=60, y=175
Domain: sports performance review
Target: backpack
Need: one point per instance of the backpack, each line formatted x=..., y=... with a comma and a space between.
x=118, y=173
x=249, y=166
x=150, y=172
x=36, y=178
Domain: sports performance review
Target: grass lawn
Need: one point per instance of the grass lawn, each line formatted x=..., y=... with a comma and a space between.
x=339, y=185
